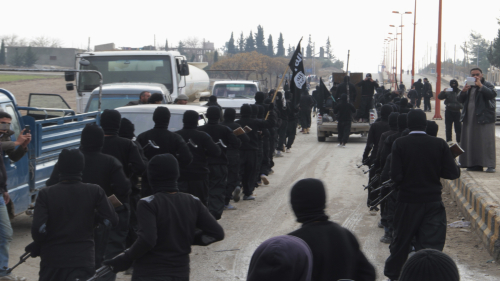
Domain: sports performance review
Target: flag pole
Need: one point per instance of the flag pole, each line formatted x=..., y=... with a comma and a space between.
x=276, y=91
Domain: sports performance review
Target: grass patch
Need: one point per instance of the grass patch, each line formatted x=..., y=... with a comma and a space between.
x=13, y=77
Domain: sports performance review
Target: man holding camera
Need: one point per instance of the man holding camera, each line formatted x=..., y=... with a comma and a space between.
x=478, y=117
x=9, y=146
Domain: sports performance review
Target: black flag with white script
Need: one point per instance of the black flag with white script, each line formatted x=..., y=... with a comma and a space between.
x=298, y=81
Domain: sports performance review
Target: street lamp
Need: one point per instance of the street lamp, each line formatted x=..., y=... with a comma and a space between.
x=414, y=32
x=401, y=63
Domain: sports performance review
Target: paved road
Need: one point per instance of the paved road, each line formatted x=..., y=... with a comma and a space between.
x=270, y=214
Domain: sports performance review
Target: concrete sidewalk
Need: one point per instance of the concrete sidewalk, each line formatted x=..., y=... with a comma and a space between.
x=477, y=195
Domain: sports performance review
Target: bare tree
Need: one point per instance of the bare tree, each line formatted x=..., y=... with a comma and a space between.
x=44, y=41
x=192, y=42
x=14, y=40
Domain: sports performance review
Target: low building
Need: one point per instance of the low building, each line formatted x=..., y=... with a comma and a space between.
x=64, y=57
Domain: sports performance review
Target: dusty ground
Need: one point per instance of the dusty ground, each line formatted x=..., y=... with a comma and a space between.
x=270, y=214
x=56, y=85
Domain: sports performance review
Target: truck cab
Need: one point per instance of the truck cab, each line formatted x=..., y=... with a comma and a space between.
x=235, y=93
x=166, y=70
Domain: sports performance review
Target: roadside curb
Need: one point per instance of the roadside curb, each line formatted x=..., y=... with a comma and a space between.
x=478, y=208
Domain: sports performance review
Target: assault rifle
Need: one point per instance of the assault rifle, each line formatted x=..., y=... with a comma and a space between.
x=23, y=258
x=379, y=201
x=373, y=181
x=101, y=272
x=365, y=162
x=386, y=184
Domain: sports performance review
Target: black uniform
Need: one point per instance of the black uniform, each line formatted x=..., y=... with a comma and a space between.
x=306, y=103
x=248, y=151
x=333, y=259
x=418, y=87
x=419, y=161
x=168, y=142
x=127, y=131
x=218, y=165
x=413, y=96
x=344, y=111
x=376, y=130
x=169, y=223
x=283, y=114
x=427, y=94
x=107, y=172
x=367, y=89
x=233, y=156
x=194, y=177
x=342, y=89
x=127, y=153
x=452, y=112
x=64, y=219
x=291, y=129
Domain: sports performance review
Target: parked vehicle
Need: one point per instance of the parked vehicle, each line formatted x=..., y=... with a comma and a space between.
x=142, y=115
x=235, y=93
x=497, y=89
x=54, y=127
x=124, y=69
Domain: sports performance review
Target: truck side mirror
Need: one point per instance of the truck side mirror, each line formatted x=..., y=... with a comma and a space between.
x=70, y=87
x=69, y=76
x=184, y=69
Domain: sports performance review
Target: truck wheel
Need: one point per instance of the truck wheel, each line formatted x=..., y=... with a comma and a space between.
x=321, y=139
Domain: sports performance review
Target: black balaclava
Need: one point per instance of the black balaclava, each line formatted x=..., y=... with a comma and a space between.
x=229, y=115
x=161, y=117
x=343, y=98
x=385, y=111
x=163, y=172
x=246, y=110
x=213, y=114
x=127, y=129
x=155, y=98
x=71, y=164
x=402, y=122
x=397, y=100
x=260, y=112
x=417, y=120
x=454, y=84
x=403, y=103
x=429, y=265
x=281, y=258
x=288, y=95
x=419, y=80
x=92, y=138
x=212, y=100
x=432, y=128
x=317, y=87
x=393, y=121
x=259, y=97
x=308, y=199
x=255, y=111
x=110, y=121
x=346, y=79
x=190, y=119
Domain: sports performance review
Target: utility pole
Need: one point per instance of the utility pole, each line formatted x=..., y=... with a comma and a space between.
x=414, y=32
x=437, y=107
x=88, y=46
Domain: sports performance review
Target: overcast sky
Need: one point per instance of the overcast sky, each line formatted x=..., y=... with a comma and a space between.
x=357, y=25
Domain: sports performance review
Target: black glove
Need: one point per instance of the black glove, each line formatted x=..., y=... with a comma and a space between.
x=119, y=263
x=271, y=106
x=34, y=248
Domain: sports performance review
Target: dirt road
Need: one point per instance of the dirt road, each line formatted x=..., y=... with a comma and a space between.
x=270, y=215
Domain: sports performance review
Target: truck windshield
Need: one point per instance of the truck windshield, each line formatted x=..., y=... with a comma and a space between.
x=126, y=69
x=235, y=90
x=109, y=101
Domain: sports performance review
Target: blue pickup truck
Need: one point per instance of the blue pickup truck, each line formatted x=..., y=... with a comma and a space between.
x=54, y=126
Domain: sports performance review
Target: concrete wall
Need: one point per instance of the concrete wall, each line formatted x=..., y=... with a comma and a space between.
x=64, y=57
